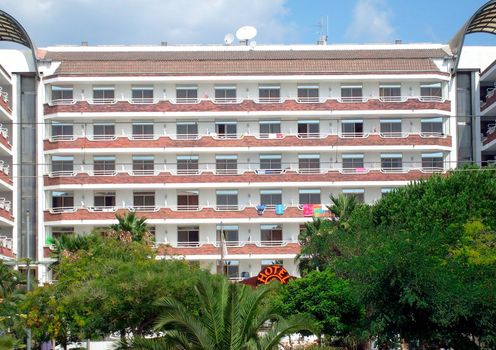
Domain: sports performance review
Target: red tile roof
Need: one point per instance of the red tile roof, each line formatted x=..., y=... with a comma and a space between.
x=246, y=62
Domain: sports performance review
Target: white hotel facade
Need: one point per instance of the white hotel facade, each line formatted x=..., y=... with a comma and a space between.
x=237, y=139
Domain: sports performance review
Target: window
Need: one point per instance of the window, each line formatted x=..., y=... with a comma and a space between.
x=358, y=194
x=226, y=164
x=59, y=231
x=144, y=200
x=308, y=128
x=308, y=93
x=309, y=196
x=230, y=232
x=188, y=200
x=432, y=127
x=353, y=163
x=188, y=236
x=186, y=130
x=231, y=269
x=269, y=93
x=351, y=93
x=104, y=199
x=270, y=128
x=390, y=92
x=352, y=128
x=391, y=128
x=271, y=234
x=385, y=191
x=186, y=94
x=103, y=131
x=227, y=199
x=226, y=130
x=309, y=163
x=270, y=164
x=104, y=165
x=142, y=94
x=432, y=161
x=187, y=165
x=267, y=263
x=143, y=165
x=431, y=92
x=391, y=162
x=63, y=200
x=270, y=198
x=62, y=95
x=62, y=131
x=62, y=165
x=143, y=131
x=103, y=94
x=225, y=94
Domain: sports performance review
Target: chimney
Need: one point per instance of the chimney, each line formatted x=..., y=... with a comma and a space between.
x=398, y=41
x=163, y=43
x=84, y=43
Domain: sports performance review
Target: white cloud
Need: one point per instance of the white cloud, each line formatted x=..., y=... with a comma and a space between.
x=371, y=22
x=51, y=22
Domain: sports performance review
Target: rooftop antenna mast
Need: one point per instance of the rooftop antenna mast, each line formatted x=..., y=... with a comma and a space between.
x=323, y=30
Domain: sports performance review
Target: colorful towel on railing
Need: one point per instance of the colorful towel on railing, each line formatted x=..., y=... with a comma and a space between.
x=315, y=210
x=279, y=209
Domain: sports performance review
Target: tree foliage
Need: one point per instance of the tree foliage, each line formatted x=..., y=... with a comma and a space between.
x=106, y=287
x=423, y=260
x=231, y=317
x=327, y=298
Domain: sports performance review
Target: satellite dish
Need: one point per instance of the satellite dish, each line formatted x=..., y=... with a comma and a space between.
x=246, y=33
x=228, y=39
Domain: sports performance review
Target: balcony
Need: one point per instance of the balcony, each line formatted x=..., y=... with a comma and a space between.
x=6, y=247
x=209, y=178
x=172, y=214
x=490, y=135
x=4, y=103
x=488, y=105
x=6, y=212
x=4, y=137
x=249, y=140
x=212, y=249
x=248, y=105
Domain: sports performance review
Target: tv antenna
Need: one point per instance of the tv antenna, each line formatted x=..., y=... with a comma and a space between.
x=323, y=30
x=246, y=33
x=228, y=39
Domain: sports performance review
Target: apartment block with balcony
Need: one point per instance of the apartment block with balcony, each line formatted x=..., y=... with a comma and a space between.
x=247, y=143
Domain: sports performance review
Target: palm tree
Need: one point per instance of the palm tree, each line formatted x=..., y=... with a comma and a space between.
x=232, y=316
x=69, y=244
x=130, y=223
x=343, y=206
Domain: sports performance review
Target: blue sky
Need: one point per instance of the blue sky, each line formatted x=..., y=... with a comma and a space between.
x=51, y=22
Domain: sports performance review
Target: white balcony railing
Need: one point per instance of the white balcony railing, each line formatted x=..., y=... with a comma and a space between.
x=4, y=168
x=5, y=204
x=6, y=242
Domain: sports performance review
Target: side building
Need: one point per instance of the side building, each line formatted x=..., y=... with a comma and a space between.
x=245, y=141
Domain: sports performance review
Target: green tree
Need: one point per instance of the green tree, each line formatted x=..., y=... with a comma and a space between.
x=231, y=317
x=11, y=294
x=130, y=223
x=110, y=286
x=330, y=300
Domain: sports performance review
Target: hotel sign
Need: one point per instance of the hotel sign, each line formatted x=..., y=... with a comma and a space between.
x=273, y=272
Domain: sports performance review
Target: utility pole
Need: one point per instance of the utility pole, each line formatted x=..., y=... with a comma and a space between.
x=221, y=248
x=28, y=276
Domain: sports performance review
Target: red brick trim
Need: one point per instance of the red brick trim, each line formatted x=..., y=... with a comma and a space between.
x=249, y=141
x=166, y=213
x=210, y=249
x=247, y=106
x=489, y=102
x=7, y=252
x=290, y=176
x=490, y=138
x=6, y=214
x=5, y=106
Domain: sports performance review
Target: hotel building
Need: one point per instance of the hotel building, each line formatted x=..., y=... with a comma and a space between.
x=248, y=141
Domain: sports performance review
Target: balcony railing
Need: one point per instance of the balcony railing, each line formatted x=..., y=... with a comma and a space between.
x=4, y=168
x=249, y=169
x=258, y=136
x=5, y=204
x=6, y=242
x=259, y=100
